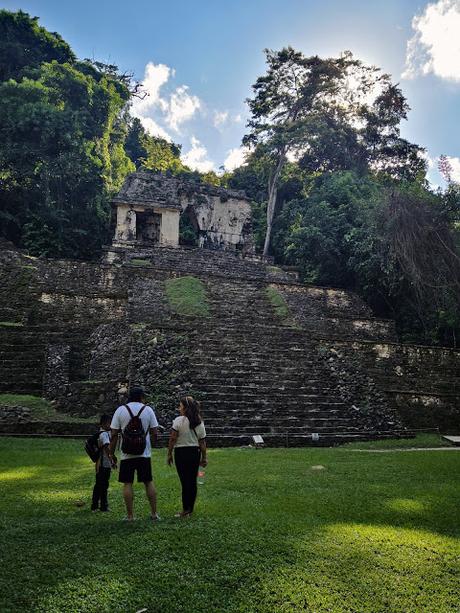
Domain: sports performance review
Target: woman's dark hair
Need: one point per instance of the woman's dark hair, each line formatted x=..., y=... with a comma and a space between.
x=105, y=418
x=136, y=394
x=192, y=410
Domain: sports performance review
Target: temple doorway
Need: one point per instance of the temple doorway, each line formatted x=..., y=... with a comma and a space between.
x=189, y=231
x=148, y=227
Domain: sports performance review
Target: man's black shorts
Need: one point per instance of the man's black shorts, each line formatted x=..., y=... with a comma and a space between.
x=143, y=466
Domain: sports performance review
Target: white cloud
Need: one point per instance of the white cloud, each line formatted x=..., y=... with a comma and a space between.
x=235, y=158
x=197, y=157
x=455, y=166
x=238, y=118
x=156, y=108
x=435, y=46
x=220, y=117
x=154, y=129
x=181, y=107
x=156, y=75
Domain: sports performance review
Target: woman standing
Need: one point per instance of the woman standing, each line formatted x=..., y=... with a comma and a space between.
x=188, y=441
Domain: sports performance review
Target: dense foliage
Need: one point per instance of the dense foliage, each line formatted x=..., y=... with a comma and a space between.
x=67, y=142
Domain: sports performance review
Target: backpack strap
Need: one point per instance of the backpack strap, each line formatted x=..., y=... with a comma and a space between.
x=138, y=415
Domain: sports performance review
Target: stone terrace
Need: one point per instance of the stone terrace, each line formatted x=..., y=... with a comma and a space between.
x=75, y=331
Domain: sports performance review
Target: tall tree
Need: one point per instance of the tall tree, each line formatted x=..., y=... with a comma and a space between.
x=331, y=113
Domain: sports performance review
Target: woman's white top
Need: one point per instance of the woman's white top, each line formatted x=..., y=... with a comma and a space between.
x=185, y=436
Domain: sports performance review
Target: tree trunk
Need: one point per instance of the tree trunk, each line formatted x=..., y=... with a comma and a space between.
x=272, y=193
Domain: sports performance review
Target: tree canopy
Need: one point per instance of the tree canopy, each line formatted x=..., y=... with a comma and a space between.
x=330, y=114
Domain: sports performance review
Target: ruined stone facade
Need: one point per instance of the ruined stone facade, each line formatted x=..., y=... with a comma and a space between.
x=149, y=208
x=80, y=332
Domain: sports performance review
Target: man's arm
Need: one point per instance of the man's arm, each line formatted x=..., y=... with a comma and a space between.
x=113, y=441
x=153, y=436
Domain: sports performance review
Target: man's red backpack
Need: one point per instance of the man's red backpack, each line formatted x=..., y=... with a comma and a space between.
x=134, y=437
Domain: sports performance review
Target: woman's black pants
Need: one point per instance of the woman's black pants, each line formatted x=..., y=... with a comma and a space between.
x=187, y=462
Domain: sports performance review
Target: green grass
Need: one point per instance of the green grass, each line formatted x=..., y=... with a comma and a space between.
x=278, y=302
x=420, y=441
x=41, y=409
x=187, y=296
x=369, y=533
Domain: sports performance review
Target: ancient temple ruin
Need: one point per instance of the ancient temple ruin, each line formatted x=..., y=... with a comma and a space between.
x=151, y=207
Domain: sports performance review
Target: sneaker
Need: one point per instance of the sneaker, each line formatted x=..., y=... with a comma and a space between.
x=105, y=510
x=183, y=514
x=128, y=519
x=155, y=517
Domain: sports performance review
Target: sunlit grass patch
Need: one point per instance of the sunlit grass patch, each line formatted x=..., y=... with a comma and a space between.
x=406, y=505
x=17, y=474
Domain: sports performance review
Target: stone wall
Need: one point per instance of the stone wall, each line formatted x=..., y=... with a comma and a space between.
x=422, y=382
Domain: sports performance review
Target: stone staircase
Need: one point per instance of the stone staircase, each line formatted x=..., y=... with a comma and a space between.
x=268, y=380
x=195, y=260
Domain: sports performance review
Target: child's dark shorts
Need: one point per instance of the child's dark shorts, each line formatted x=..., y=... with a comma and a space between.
x=143, y=467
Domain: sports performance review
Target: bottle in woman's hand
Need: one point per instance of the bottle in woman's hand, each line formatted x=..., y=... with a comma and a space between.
x=201, y=475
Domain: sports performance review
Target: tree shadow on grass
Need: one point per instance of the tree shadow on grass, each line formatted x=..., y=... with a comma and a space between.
x=270, y=535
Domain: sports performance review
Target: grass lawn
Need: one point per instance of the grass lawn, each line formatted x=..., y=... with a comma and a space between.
x=367, y=533
x=422, y=440
x=41, y=409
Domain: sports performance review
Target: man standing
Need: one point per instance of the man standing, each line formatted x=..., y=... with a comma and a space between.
x=137, y=423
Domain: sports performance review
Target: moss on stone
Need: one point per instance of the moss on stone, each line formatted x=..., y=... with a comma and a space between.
x=187, y=296
x=11, y=324
x=278, y=302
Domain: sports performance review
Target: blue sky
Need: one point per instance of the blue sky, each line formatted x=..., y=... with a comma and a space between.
x=202, y=56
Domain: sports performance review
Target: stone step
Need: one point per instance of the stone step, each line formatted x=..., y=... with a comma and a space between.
x=33, y=388
x=282, y=407
x=280, y=429
x=259, y=370
x=269, y=396
x=247, y=413
x=204, y=382
x=257, y=355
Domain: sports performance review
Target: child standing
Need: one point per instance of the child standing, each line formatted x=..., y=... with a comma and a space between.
x=104, y=465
